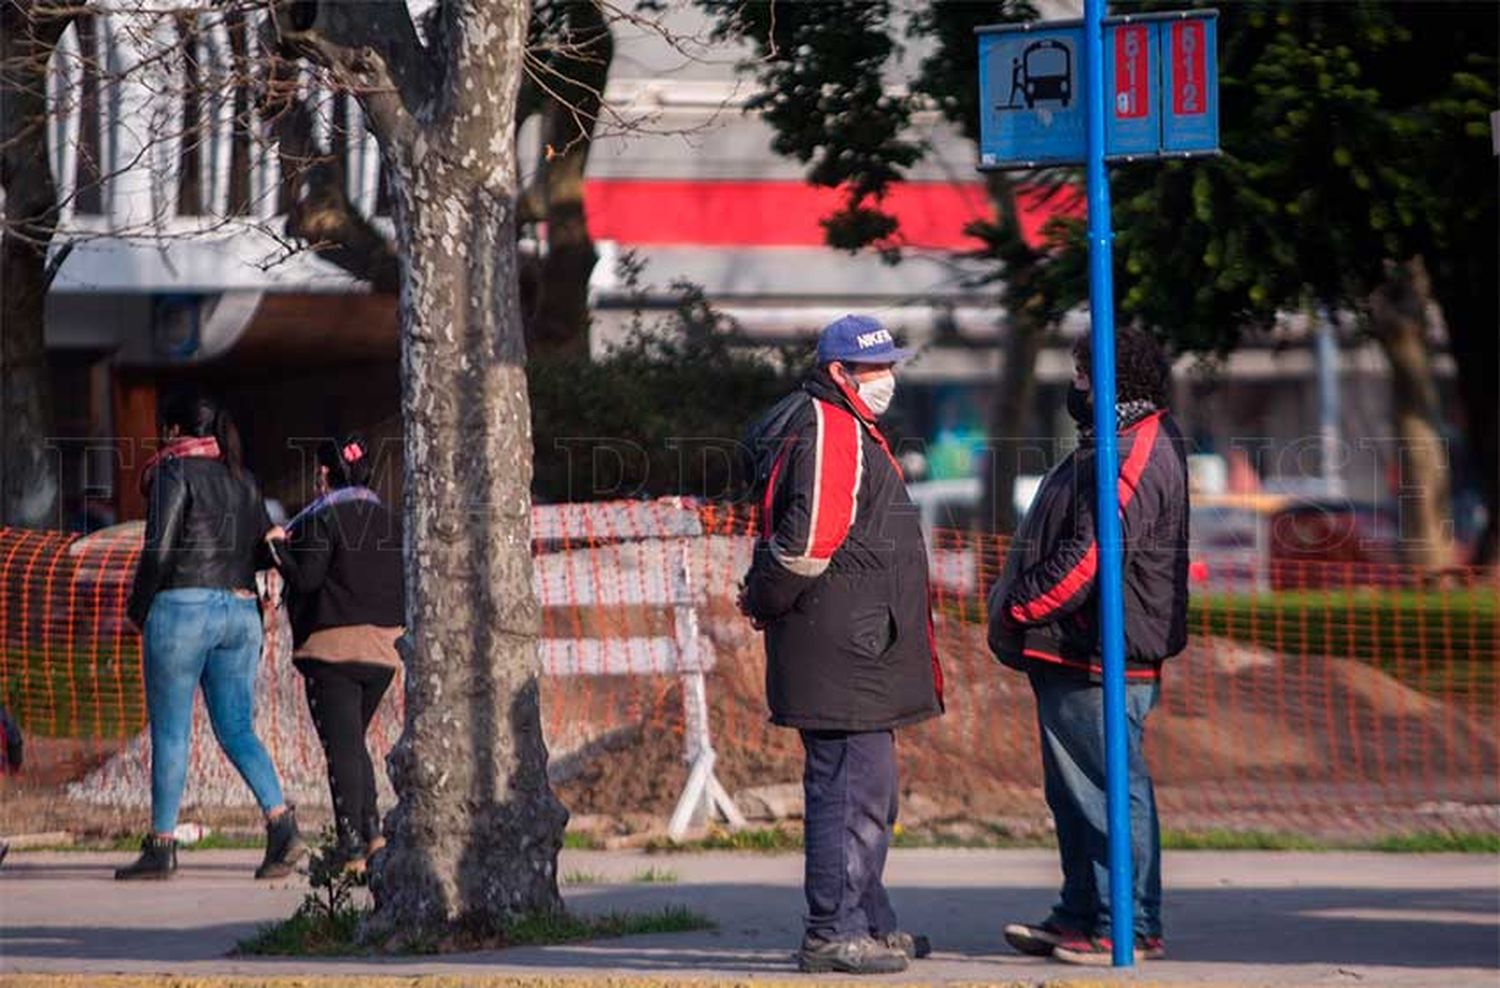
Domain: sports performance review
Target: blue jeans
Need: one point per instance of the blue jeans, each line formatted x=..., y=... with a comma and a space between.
x=1070, y=713
x=210, y=637
x=850, y=785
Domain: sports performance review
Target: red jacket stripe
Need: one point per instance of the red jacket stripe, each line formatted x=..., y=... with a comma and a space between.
x=1058, y=660
x=1081, y=574
x=766, y=528
x=839, y=465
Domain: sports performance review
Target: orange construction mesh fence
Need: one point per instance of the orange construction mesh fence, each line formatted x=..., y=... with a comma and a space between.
x=1320, y=699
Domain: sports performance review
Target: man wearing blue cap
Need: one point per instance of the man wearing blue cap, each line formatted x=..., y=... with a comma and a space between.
x=839, y=586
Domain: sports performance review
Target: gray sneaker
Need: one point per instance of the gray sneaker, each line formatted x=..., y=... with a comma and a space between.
x=860, y=955
x=914, y=945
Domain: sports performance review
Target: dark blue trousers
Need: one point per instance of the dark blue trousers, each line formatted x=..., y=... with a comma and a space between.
x=849, y=781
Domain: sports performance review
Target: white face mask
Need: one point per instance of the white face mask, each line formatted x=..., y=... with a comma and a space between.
x=878, y=392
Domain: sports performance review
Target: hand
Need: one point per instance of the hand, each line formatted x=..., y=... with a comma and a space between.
x=276, y=534
x=744, y=606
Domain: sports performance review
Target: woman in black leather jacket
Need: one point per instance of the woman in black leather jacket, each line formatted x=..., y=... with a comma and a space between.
x=194, y=599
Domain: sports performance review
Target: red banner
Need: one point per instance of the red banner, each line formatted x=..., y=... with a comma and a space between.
x=1189, y=60
x=1132, y=65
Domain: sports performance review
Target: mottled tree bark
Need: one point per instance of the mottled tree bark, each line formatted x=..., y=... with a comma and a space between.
x=1398, y=317
x=475, y=837
x=28, y=468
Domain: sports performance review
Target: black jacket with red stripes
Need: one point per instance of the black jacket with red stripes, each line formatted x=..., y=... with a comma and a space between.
x=839, y=577
x=1044, y=609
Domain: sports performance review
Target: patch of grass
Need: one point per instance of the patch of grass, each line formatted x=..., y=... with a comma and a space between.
x=215, y=841
x=583, y=878
x=994, y=836
x=1238, y=840
x=1254, y=840
x=82, y=693
x=1460, y=843
x=565, y=927
x=998, y=837
x=766, y=840
x=328, y=920
x=655, y=876
x=308, y=933
x=582, y=842
x=1440, y=642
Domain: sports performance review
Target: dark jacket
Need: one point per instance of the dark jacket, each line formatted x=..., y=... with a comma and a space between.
x=839, y=576
x=343, y=567
x=1044, y=609
x=205, y=528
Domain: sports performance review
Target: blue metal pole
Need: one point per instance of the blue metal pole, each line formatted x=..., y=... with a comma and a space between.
x=1107, y=517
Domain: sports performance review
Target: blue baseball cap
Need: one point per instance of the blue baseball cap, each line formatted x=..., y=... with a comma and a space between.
x=858, y=340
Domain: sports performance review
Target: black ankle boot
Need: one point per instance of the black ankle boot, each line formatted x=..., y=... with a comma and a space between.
x=158, y=861
x=284, y=846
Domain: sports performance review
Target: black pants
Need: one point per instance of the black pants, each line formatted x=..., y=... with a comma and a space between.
x=343, y=697
x=849, y=781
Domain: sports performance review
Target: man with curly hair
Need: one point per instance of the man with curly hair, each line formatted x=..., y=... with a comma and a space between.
x=1044, y=621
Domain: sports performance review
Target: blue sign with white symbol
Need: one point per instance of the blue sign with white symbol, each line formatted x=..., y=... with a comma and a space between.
x=1161, y=80
x=1031, y=107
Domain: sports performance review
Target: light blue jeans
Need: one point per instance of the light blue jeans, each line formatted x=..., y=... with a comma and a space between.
x=209, y=637
x=1070, y=713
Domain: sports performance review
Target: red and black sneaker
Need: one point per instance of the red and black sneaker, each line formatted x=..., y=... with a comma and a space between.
x=1038, y=940
x=1099, y=951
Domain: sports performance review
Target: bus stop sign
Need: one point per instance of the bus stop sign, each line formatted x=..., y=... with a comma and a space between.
x=1161, y=81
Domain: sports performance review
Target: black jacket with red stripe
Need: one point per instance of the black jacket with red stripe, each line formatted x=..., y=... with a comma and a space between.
x=1044, y=609
x=839, y=577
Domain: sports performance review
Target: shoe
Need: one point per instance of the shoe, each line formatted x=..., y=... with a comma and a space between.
x=914, y=945
x=369, y=830
x=157, y=862
x=284, y=846
x=1038, y=940
x=860, y=955
x=1092, y=951
x=352, y=858
x=1151, y=948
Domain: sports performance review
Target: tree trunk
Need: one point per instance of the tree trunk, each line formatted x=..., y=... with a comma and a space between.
x=28, y=470
x=1464, y=284
x=1399, y=320
x=1028, y=308
x=1015, y=396
x=570, y=114
x=475, y=838
x=475, y=835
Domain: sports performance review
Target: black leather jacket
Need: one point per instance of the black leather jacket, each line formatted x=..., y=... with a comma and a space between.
x=205, y=528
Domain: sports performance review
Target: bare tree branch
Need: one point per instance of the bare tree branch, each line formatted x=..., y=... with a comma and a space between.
x=320, y=213
x=372, y=49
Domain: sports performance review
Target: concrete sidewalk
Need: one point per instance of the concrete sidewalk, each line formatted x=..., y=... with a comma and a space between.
x=1242, y=918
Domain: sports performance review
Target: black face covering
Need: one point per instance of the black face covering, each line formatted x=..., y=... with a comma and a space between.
x=1081, y=407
